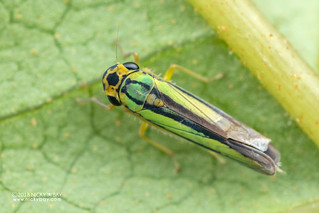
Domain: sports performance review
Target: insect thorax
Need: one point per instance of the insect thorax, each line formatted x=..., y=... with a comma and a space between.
x=135, y=90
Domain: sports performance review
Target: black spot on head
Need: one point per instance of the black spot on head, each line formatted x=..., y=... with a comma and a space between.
x=112, y=79
x=109, y=69
x=106, y=72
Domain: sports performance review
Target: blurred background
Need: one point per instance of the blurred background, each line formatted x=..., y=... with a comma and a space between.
x=52, y=52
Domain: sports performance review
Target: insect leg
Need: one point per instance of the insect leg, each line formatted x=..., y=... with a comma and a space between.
x=169, y=73
x=217, y=156
x=127, y=54
x=97, y=101
x=158, y=146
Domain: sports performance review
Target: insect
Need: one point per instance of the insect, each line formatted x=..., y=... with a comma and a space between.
x=160, y=103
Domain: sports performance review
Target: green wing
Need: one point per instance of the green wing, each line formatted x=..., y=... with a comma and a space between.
x=181, y=113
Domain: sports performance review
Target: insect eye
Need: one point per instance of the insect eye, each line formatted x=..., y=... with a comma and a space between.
x=114, y=101
x=131, y=66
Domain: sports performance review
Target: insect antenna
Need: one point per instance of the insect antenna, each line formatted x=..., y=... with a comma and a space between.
x=116, y=43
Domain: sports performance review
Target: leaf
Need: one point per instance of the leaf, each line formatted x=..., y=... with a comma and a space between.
x=53, y=53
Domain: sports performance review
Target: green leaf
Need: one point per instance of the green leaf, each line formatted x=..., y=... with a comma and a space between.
x=52, y=52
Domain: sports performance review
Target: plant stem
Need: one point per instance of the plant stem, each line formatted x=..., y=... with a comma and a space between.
x=269, y=56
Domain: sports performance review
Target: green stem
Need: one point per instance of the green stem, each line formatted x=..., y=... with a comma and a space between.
x=269, y=56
